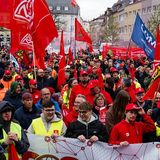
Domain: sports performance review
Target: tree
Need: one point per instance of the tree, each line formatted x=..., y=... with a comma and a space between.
x=154, y=21
x=60, y=24
x=111, y=31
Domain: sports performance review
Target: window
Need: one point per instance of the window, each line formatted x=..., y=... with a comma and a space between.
x=134, y=12
x=149, y=9
x=143, y=10
x=58, y=8
x=66, y=8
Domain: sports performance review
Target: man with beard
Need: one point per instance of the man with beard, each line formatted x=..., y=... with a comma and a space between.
x=7, y=79
x=45, y=97
x=129, y=131
x=81, y=88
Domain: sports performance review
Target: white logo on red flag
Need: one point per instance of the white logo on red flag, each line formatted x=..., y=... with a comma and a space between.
x=25, y=11
x=27, y=41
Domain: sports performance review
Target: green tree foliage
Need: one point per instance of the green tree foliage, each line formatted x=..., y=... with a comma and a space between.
x=154, y=21
x=111, y=31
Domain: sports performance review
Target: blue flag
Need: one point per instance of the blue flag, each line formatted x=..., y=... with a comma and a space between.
x=143, y=38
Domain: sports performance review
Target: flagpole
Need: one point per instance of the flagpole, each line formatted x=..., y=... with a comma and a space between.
x=34, y=63
x=155, y=95
x=128, y=47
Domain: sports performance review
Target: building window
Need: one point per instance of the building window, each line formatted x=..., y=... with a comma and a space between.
x=134, y=12
x=154, y=8
x=58, y=8
x=143, y=10
x=149, y=9
x=66, y=8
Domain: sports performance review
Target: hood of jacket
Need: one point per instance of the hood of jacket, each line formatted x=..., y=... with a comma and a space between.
x=14, y=86
x=93, y=118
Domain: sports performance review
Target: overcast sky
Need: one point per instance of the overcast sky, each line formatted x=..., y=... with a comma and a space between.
x=93, y=8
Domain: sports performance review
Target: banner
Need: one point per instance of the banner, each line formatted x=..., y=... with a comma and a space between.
x=121, y=52
x=72, y=149
x=143, y=38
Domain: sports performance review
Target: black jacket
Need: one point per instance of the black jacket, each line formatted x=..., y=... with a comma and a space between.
x=21, y=145
x=25, y=117
x=94, y=127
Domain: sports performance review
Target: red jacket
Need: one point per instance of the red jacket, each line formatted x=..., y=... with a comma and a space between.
x=133, y=133
x=71, y=116
x=78, y=89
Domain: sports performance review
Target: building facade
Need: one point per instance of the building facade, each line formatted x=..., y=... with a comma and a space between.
x=125, y=11
x=64, y=15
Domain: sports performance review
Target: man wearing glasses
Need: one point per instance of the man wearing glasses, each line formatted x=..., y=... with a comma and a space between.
x=87, y=126
x=49, y=124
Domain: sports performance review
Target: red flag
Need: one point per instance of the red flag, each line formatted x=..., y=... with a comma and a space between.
x=80, y=33
x=12, y=153
x=62, y=64
x=43, y=30
x=157, y=49
x=70, y=56
x=32, y=16
x=74, y=3
x=6, y=7
x=152, y=89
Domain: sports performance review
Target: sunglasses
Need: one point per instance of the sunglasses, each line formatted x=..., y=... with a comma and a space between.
x=49, y=110
x=82, y=112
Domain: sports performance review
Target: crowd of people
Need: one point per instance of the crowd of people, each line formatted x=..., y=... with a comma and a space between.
x=101, y=100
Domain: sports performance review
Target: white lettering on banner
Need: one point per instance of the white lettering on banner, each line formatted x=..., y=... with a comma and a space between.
x=73, y=148
x=148, y=37
x=25, y=11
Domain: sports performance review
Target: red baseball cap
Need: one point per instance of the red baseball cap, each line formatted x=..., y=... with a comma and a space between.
x=7, y=72
x=83, y=72
x=93, y=83
x=18, y=77
x=132, y=106
x=139, y=90
x=32, y=82
x=26, y=96
x=112, y=69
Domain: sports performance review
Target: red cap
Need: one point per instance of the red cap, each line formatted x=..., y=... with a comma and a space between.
x=132, y=106
x=83, y=72
x=93, y=83
x=139, y=90
x=18, y=77
x=112, y=69
x=32, y=82
x=121, y=65
x=26, y=96
x=7, y=72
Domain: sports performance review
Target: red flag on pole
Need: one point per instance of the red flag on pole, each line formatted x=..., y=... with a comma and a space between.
x=74, y=3
x=81, y=34
x=12, y=153
x=43, y=30
x=157, y=49
x=6, y=7
x=70, y=56
x=32, y=16
x=62, y=64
